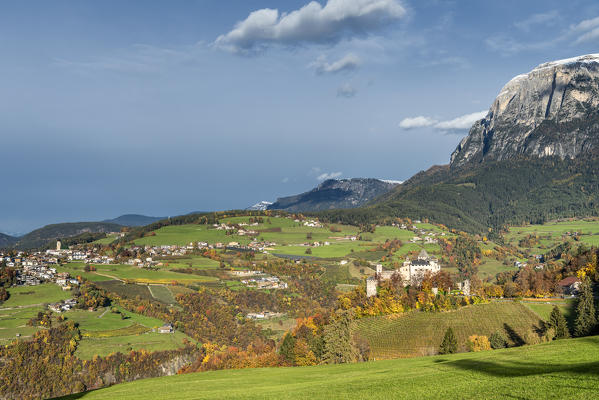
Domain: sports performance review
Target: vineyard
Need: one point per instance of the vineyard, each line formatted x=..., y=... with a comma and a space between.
x=417, y=333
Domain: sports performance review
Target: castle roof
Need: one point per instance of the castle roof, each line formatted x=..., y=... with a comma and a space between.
x=423, y=255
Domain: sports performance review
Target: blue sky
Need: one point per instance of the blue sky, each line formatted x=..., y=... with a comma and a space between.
x=164, y=108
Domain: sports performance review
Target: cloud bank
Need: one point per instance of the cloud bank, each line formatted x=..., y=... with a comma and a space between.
x=312, y=23
x=460, y=123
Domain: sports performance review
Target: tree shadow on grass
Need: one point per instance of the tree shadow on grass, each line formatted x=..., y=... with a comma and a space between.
x=518, y=369
x=513, y=336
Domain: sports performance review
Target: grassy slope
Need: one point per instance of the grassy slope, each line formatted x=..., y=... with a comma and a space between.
x=562, y=369
x=416, y=333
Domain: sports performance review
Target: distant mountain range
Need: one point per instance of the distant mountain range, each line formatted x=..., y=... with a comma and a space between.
x=335, y=194
x=41, y=237
x=133, y=220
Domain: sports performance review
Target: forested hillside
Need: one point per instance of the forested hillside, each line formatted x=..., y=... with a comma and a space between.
x=40, y=237
x=489, y=196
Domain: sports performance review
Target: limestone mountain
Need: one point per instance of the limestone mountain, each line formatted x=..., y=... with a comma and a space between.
x=551, y=111
x=534, y=157
x=334, y=194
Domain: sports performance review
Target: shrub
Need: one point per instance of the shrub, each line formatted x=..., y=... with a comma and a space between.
x=532, y=337
x=497, y=341
x=478, y=343
x=549, y=335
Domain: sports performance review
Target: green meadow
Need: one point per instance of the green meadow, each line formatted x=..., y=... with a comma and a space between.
x=564, y=369
x=104, y=332
x=553, y=233
x=14, y=321
x=162, y=275
x=29, y=295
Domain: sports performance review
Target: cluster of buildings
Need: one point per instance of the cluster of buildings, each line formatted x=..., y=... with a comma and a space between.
x=62, y=306
x=265, y=282
x=263, y=315
x=37, y=268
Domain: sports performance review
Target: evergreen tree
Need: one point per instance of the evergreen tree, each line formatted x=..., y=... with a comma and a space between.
x=450, y=343
x=557, y=321
x=339, y=346
x=287, y=349
x=585, y=310
x=497, y=341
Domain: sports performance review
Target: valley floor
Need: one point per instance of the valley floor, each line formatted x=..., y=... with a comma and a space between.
x=558, y=370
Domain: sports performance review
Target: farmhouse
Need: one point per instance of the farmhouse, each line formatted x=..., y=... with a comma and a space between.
x=570, y=285
x=166, y=328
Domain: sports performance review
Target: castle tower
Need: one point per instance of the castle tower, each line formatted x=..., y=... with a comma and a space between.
x=58, y=245
x=371, y=284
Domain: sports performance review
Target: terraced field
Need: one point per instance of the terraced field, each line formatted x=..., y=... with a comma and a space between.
x=417, y=333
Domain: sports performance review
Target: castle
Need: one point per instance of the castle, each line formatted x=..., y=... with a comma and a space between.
x=411, y=272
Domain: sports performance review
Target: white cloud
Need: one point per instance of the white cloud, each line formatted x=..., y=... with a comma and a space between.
x=460, y=123
x=347, y=63
x=586, y=30
x=312, y=23
x=417, y=122
x=329, y=175
x=537, y=19
x=586, y=25
x=346, y=91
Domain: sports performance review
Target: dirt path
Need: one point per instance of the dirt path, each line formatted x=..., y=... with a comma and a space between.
x=109, y=276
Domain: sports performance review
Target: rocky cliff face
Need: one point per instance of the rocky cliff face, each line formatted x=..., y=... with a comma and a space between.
x=551, y=111
x=335, y=193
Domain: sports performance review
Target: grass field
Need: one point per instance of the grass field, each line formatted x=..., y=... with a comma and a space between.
x=13, y=321
x=553, y=233
x=142, y=275
x=104, y=332
x=417, y=333
x=543, y=308
x=28, y=295
x=150, y=341
x=565, y=369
